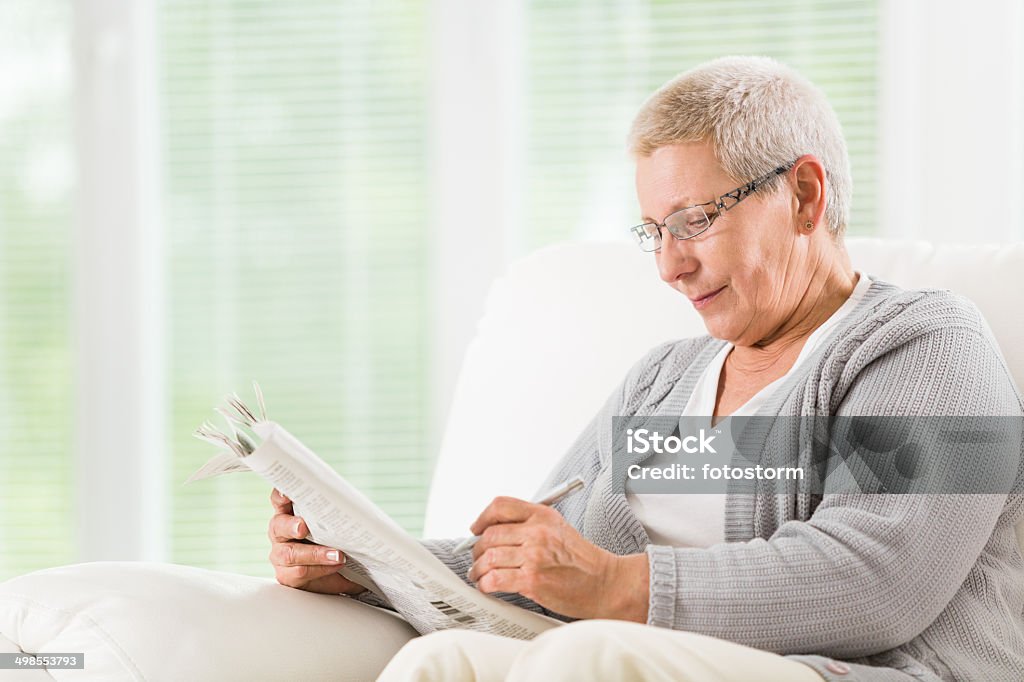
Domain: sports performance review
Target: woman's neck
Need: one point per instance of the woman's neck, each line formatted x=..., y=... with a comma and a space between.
x=828, y=289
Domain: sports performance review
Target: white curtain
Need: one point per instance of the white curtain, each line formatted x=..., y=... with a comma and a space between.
x=952, y=121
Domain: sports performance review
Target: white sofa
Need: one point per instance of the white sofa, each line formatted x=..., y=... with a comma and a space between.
x=560, y=330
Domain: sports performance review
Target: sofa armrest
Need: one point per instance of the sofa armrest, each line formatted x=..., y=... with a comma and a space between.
x=151, y=621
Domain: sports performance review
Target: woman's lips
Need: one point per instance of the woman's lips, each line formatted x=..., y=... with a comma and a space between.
x=706, y=299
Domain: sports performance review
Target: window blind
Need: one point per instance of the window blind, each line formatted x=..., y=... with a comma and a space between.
x=294, y=155
x=296, y=200
x=590, y=65
x=36, y=412
x=294, y=145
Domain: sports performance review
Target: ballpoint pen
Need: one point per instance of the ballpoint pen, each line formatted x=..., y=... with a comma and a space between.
x=555, y=495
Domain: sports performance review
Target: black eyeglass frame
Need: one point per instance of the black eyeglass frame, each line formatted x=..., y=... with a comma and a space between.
x=723, y=203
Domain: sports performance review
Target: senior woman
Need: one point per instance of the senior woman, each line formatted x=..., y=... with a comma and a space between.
x=744, y=184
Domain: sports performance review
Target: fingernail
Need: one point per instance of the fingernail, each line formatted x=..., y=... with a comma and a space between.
x=332, y=556
x=298, y=528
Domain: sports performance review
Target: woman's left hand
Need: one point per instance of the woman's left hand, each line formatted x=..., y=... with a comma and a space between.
x=530, y=549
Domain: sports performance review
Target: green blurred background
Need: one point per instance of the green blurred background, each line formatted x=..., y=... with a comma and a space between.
x=297, y=169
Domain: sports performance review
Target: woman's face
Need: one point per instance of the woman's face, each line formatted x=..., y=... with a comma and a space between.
x=746, y=274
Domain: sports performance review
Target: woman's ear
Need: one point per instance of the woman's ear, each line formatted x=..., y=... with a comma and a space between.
x=809, y=190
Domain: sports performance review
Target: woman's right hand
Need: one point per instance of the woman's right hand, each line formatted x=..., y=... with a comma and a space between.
x=299, y=564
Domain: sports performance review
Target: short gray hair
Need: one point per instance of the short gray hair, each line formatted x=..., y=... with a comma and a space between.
x=758, y=114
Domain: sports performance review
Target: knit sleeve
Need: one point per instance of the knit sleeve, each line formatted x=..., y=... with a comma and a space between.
x=866, y=572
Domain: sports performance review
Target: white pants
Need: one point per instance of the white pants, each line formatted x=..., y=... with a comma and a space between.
x=589, y=650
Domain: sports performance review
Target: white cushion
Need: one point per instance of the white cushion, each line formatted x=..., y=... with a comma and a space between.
x=137, y=620
x=563, y=326
x=8, y=646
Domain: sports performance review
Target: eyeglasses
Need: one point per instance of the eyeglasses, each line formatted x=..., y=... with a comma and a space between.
x=687, y=223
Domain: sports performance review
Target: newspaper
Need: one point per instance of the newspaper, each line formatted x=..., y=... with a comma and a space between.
x=380, y=554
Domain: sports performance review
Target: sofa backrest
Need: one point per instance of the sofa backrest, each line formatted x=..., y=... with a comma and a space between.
x=563, y=325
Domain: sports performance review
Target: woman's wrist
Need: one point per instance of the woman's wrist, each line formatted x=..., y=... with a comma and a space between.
x=628, y=592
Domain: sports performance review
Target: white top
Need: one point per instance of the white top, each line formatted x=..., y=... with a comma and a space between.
x=698, y=520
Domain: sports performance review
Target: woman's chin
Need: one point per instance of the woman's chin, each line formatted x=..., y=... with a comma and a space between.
x=718, y=330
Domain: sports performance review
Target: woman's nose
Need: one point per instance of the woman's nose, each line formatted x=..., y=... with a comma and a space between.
x=676, y=259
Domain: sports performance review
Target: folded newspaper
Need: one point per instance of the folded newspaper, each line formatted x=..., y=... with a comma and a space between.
x=380, y=554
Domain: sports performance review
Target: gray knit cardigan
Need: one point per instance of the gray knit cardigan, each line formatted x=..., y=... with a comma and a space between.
x=901, y=587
